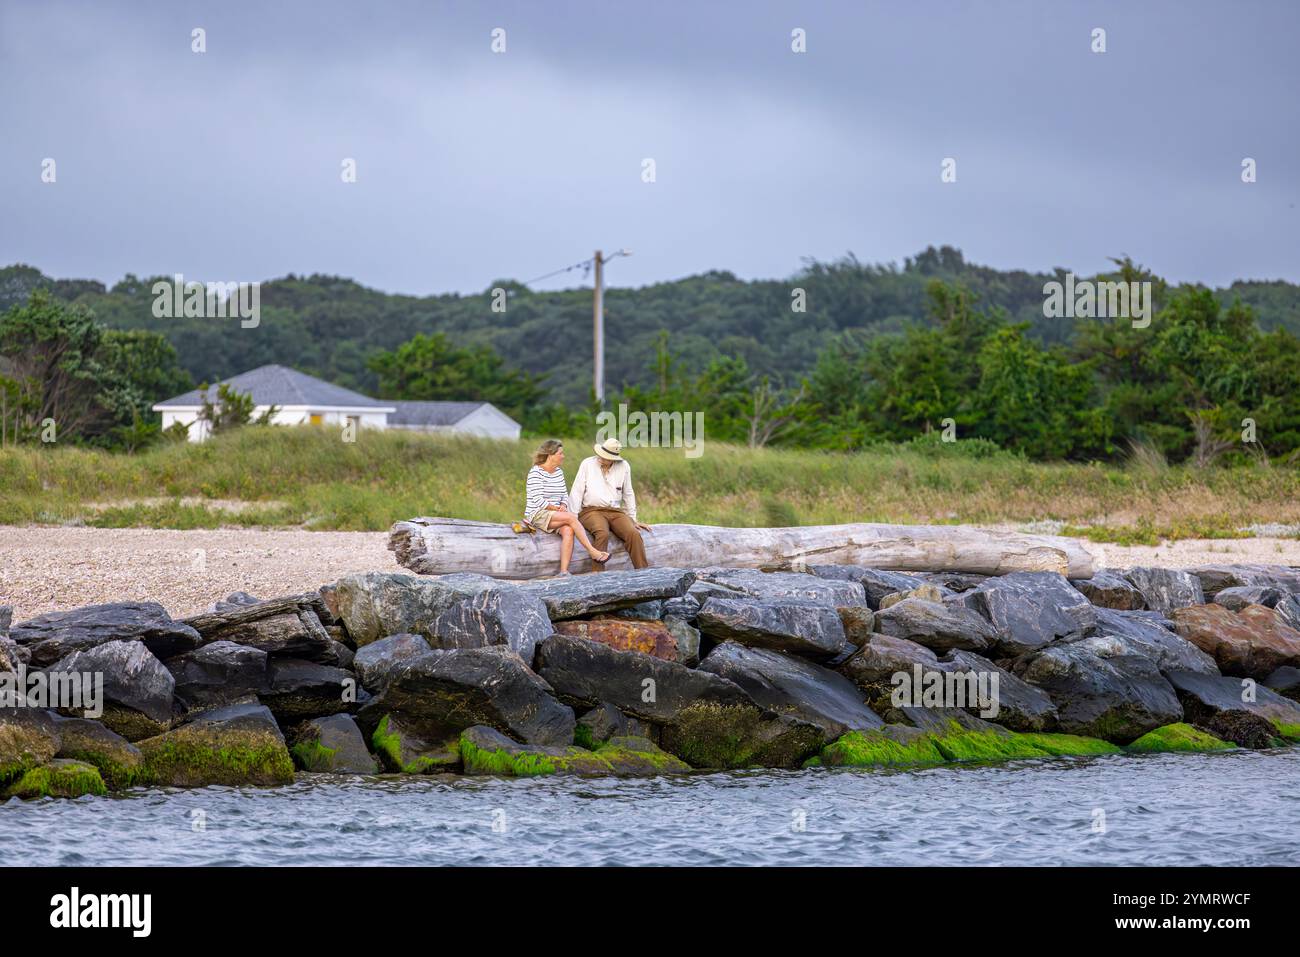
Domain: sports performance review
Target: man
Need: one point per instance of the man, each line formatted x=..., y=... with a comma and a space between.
x=602, y=494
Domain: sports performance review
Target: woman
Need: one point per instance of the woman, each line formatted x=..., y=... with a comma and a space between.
x=547, y=503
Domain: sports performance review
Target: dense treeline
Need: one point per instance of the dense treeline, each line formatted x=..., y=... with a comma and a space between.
x=933, y=350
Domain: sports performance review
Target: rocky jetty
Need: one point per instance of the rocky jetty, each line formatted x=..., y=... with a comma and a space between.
x=650, y=672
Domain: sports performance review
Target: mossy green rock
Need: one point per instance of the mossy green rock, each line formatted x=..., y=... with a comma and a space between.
x=404, y=748
x=119, y=762
x=632, y=755
x=711, y=734
x=61, y=778
x=890, y=746
x=1177, y=737
x=28, y=739
x=237, y=745
x=485, y=750
x=900, y=746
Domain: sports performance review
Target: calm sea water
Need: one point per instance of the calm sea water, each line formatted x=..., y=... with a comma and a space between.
x=1235, y=808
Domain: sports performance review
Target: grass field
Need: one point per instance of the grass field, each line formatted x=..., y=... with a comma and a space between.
x=309, y=478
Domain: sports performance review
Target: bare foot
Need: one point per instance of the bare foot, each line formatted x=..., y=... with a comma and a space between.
x=600, y=557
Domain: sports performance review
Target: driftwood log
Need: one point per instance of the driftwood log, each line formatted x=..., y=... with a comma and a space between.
x=440, y=546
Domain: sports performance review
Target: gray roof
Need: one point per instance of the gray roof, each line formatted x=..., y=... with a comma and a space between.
x=434, y=413
x=278, y=385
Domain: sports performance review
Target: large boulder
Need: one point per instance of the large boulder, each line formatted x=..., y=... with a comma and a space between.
x=1288, y=611
x=773, y=586
x=219, y=674
x=408, y=745
x=1222, y=704
x=496, y=615
x=1111, y=590
x=232, y=746
x=686, y=637
x=375, y=605
x=575, y=596
x=801, y=626
x=28, y=738
x=1117, y=698
x=332, y=743
x=940, y=626
x=119, y=762
x=303, y=689
x=1215, y=578
x=1239, y=596
x=792, y=686
x=1031, y=609
x=137, y=689
x=1251, y=643
x=487, y=751
x=876, y=583
x=1019, y=705
x=52, y=637
x=873, y=666
x=1149, y=635
x=604, y=722
x=376, y=662
x=626, y=634
x=452, y=690
x=1165, y=589
x=287, y=626
x=61, y=778
x=708, y=721
x=1285, y=681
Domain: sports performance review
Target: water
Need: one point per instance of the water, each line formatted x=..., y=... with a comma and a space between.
x=1233, y=808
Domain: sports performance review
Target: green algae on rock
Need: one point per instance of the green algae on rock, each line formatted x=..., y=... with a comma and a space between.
x=710, y=734
x=119, y=762
x=1177, y=737
x=238, y=745
x=62, y=777
x=485, y=750
x=403, y=751
x=901, y=746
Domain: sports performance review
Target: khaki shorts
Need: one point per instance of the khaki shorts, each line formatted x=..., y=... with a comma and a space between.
x=541, y=520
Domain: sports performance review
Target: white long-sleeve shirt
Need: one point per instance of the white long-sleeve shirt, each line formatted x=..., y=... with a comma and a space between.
x=593, y=487
x=544, y=488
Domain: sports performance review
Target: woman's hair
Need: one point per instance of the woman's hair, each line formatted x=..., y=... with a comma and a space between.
x=546, y=450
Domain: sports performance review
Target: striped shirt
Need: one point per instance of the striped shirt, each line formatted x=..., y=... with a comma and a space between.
x=544, y=488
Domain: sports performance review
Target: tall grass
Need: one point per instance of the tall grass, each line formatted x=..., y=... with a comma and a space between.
x=308, y=477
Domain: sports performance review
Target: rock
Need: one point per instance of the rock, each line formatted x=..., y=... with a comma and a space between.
x=82, y=739
x=233, y=746
x=1031, y=609
x=485, y=750
x=1225, y=706
x=1164, y=589
x=1020, y=705
x=894, y=745
x=683, y=608
x=137, y=689
x=52, y=637
x=449, y=691
x=1251, y=642
x=13, y=655
x=1179, y=737
x=941, y=720
x=1285, y=681
x=707, y=720
x=873, y=666
x=939, y=626
x=795, y=687
x=604, y=722
x=219, y=674
x=281, y=626
x=956, y=582
x=28, y=738
x=1117, y=699
x=686, y=638
x=332, y=743
x=578, y=595
x=859, y=623
x=927, y=591
x=60, y=778
x=799, y=626
x=377, y=604
x=1215, y=578
x=875, y=583
x=1288, y=611
x=1239, y=596
x=776, y=586
x=329, y=611
x=653, y=610
x=638, y=756
x=406, y=745
x=375, y=662
x=1142, y=634
x=303, y=689
x=6, y=619
x=624, y=634
x=495, y=615
x=235, y=600
x=1111, y=590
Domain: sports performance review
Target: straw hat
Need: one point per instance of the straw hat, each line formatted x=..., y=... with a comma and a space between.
x=609, y=449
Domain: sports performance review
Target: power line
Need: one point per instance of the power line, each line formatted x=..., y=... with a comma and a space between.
x=585, y=264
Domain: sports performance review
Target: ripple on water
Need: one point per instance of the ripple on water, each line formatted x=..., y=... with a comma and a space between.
x=1227, y=808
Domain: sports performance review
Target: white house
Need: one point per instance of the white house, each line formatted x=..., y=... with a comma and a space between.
x=301, y=399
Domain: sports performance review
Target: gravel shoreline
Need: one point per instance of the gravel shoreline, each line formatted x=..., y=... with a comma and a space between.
x=55, y=568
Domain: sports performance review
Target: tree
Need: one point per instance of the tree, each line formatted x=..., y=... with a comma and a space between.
x=231, y=409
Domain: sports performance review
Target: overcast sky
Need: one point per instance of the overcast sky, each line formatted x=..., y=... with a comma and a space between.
x=474, y=165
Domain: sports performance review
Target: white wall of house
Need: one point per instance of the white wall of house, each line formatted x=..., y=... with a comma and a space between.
x=366, y=418
x=485, y=421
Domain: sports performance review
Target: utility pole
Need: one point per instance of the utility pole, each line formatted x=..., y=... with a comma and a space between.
x=598, y=331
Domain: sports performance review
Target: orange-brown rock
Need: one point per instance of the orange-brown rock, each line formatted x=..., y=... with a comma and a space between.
x=1250, y=643
x=625, y=634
